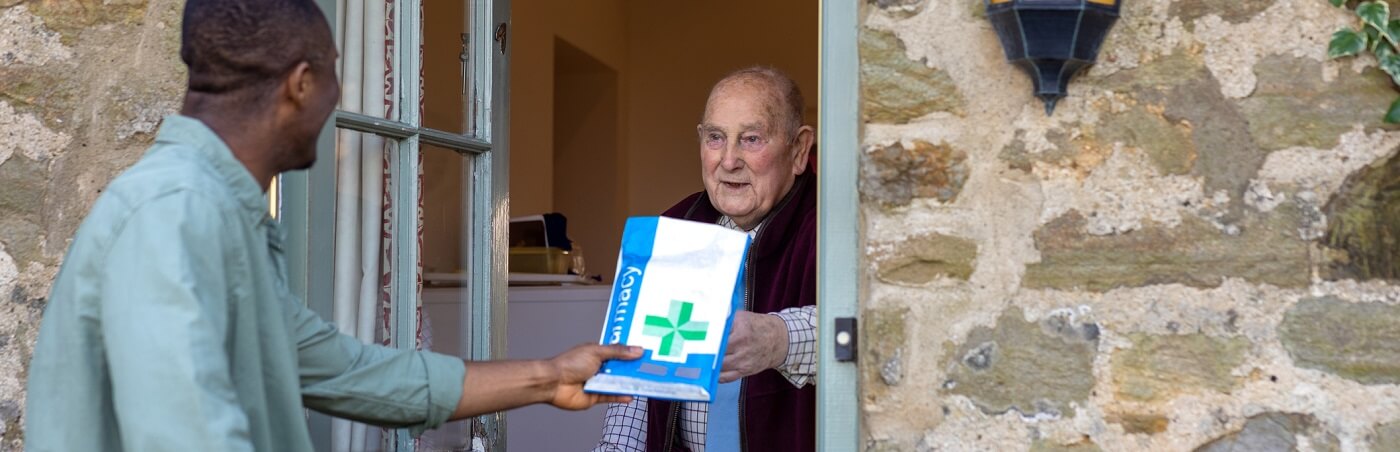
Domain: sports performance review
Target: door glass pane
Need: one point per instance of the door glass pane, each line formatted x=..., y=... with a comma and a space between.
x=450, y=91
x=360, y=256
x=365, y=37
x=445, y=250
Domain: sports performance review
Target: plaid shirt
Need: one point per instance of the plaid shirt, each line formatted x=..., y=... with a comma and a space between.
x=625, y=427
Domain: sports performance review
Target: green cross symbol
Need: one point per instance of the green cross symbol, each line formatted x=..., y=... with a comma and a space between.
x=676, y=323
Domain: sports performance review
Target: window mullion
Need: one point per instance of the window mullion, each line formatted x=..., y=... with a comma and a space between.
x=405, y=167
x=409, y=43
x=405, y=243
x=404, y=164
x=485, y=52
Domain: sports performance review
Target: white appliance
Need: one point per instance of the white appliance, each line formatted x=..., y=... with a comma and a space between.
x=543, y=321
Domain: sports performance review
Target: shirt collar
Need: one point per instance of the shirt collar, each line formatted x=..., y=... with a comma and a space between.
x=727, y=222
x=192, y=133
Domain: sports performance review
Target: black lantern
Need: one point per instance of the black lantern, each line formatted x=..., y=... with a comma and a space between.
x=1052, y=40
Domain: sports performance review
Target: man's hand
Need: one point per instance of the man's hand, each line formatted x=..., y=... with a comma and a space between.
x=492, y=386
x=578, y=365
x=758, y=342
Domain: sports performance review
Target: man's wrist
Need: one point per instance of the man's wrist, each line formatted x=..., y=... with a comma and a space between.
x=790, y=321
x=780, y=340
x=547, y=378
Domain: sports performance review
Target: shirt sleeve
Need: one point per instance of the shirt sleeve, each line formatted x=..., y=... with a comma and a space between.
x=800, y=367
x=164, y=316
x=370, y=383
x=625, y=427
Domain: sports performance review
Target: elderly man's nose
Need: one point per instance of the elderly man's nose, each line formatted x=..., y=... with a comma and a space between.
x=731, y=159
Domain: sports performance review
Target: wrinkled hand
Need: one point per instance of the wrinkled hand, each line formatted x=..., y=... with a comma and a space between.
x=757, y=342
x=579, y=364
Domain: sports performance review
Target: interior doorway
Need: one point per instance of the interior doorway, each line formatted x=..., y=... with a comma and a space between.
x=605, y=98
x=587, y=155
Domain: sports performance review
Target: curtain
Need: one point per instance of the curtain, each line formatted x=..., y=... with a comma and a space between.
x=362, y=226
x=364, y=223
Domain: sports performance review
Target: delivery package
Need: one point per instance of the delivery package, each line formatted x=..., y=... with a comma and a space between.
x=677, y=287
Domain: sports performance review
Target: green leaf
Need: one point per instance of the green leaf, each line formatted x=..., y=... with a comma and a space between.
x=1391, y=65
x=1393, y=115
x=1392, y=31
x=1346, y=42
x=1374, y=13
x=1338, y=3
x=1373, y=37
x=1383, y=51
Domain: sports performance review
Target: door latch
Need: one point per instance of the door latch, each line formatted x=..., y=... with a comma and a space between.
x=464, y=57
x=501, y=36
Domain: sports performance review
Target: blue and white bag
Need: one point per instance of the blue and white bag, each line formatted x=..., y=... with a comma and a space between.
x=678, y=285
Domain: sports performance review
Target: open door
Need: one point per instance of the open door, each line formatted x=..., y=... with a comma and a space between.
x=410, y=182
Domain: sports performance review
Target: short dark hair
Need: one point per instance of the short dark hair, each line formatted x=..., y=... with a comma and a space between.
x=779, y=85
x=243, y=47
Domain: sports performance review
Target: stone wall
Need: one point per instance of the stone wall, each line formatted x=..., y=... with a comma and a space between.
x=1199, y=250
x=83, y=84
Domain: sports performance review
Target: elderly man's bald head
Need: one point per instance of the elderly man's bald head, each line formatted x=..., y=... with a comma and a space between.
x=752, y=143
x=784, y=100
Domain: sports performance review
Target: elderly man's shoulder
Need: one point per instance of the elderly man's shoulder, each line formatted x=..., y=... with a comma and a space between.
x=693, y=207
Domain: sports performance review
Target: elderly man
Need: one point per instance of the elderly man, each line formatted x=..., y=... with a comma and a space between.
x=170, y=326
x=754, y=163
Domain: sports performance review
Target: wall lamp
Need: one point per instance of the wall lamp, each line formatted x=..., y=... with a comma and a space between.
x=1052, y=40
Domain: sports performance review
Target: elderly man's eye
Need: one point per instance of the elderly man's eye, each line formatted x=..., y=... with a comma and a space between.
x=752, y=142
x=714, y=140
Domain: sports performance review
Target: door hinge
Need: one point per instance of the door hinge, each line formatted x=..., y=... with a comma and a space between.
x=846, y=339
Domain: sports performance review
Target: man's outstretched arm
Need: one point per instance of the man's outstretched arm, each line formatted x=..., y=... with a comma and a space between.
x=492, y=386
x=420, y=389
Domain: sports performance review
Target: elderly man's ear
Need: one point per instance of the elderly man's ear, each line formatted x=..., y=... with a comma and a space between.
x=802, y=148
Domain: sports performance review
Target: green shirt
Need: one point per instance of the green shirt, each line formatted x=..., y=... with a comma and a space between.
x=170, y=326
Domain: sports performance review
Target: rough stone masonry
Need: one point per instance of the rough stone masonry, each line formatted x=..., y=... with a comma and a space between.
x=1198, y=251
x=83, y=85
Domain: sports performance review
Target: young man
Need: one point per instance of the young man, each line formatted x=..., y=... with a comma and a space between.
x=170, y=326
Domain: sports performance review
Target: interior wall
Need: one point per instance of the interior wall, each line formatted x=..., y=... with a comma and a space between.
x=676, y=51
x=666, y=55
x=587, y=155
x=596, y=27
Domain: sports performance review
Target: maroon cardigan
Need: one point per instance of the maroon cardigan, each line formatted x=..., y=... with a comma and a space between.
x=781, y=274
